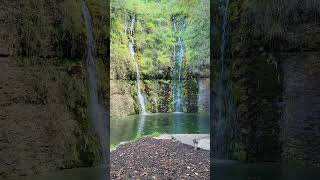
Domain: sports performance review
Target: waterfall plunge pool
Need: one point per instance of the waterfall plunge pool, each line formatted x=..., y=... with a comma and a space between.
x=123, y=129
x=229, y=170
x=68, y=174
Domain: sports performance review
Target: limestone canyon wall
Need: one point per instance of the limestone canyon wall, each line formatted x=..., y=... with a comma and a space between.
x=274, y=47
x=43, y=87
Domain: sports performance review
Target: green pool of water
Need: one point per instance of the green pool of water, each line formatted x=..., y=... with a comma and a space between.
x=263, y=171
x=69, y=174
x=129, y=128
x=222, y=171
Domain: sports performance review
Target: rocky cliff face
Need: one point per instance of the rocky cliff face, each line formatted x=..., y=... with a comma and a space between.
x=158, y=96
x=43, y=88
x=122, y=103
x=165, y=50
x=274, y=50
x=203, y=95
x=301, y=109
x=124, y=97
x=258, y=91
x=43, y=118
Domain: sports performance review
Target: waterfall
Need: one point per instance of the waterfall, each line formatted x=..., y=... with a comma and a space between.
x=132, y=52
x=224, y=102
x=142, y=119
x=97, y=113
x=224, y=35
x=133, y=19
x=174, y=24
x=178, y=54
x=203, y=94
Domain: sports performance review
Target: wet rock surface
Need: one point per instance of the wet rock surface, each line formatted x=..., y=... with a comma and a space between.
x=300, y=118
x=151, y=158
x=38, y=120
x=43, y=97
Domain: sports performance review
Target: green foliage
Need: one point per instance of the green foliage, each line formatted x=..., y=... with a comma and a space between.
x=154, y=39
x=198, y=37
x=191, y=92
x=75, y=92
x=159, y=96
x=113, y=147
x=155, y=134
x=154, y=36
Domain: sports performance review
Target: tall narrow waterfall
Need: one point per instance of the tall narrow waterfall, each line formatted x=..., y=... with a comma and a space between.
x=178, y=54
x=141, y=125
x=224, y=102
x=132, y=52
x=97, y=112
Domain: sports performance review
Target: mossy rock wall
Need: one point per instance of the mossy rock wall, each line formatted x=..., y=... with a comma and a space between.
x=266, y=40
x=44, y=95
x=44, y=110
x=300, y=127
x=124, y=96
x=121, y=101
x=158, y=96
x=258, y=92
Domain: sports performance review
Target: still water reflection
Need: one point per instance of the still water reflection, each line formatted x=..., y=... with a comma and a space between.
x=225, y=170
x=70, y=174
x=128, y=128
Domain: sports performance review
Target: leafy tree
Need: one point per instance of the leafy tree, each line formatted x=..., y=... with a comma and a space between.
x=154, y=36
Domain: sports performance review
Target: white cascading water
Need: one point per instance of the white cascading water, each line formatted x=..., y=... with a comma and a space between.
x=226, y=112
x=178, y=55
x=97, y=115
x=142, y=120
x=221, y=93
x=132, y=52
x=203, y=94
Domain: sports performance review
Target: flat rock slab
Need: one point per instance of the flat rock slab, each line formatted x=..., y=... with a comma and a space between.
x=151, y=158
x=204, y=144
x=203, y=139
x=164, y=136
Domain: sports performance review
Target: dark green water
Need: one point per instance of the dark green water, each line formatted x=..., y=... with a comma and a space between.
x=263, y=171
x=70, y=174
x=128, y=128
x=222, y=171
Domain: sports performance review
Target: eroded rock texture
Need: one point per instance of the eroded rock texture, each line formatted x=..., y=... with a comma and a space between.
x=258, y=93
x=300, y=122
x=43, y=119
x=274, y=50
x=43, y=88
